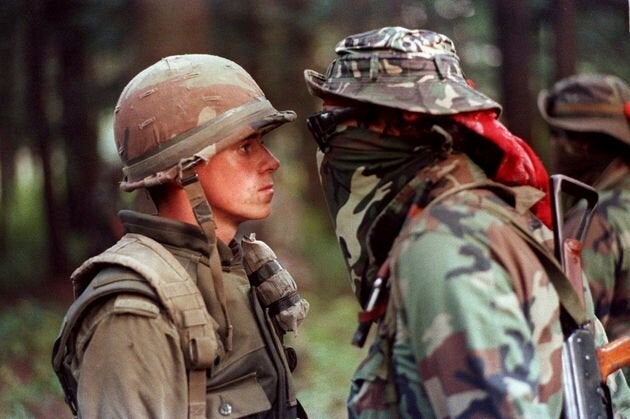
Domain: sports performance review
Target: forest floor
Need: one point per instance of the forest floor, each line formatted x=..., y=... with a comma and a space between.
x=29, y=323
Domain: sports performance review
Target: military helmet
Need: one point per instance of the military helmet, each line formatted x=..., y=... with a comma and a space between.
x=186, y=108
x=588, y=103
x=414, y=70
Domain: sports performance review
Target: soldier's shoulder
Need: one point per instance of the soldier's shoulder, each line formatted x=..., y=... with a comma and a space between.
x=463, y=214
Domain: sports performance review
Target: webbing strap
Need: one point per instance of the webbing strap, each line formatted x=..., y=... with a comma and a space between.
x=119, y=281
x=203, y=215
x=265, y=272
x=568, y=296
x=176, y=290
x=197, y=394
x=166, y=281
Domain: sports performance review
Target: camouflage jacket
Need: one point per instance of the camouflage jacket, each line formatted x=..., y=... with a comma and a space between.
x=606, y=251
x=472, y=327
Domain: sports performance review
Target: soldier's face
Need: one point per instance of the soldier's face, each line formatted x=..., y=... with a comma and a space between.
x=238, y=182
x=572, y=155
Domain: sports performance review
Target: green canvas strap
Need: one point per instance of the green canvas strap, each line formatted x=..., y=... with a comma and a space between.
x=178, y=294
x=203, y=214
x=568, y=296
x=112, y=280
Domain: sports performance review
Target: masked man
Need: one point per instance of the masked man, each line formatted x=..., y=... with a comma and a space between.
x=442, y=216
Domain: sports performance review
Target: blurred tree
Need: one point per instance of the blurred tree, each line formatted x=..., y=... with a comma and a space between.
x=37, y=29
x=565, y=38
x=165, y=27
x=513, y=38
x=8, y=126
x=78, y=128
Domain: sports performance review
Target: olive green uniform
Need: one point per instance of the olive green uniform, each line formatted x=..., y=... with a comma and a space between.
x=129, y=338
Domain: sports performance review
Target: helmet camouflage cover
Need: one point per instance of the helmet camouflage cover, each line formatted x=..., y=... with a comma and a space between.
x=415, y=70
x=184, y=109
x=588, y=103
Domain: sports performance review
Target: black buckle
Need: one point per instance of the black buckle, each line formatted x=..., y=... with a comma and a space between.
x=189, y=179
x=323, y=124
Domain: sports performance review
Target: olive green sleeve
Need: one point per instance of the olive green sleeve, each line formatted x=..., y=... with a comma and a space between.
x=131, y=365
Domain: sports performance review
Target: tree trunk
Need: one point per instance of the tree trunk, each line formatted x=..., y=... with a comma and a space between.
x=513, y=39
x=78, y=126
x=565, y=37
x=166, y=27
x=7, y=138
x=35, y=103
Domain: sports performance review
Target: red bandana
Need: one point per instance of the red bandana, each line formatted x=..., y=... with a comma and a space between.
x=520, y=165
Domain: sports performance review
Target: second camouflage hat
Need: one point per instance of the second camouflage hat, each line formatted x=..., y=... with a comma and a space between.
x=588, y=103
x=415, y=70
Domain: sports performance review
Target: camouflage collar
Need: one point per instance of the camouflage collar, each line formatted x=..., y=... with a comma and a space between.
x=456, y=171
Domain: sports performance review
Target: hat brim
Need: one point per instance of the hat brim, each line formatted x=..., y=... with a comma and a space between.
x=460, y=97
x=615, y=127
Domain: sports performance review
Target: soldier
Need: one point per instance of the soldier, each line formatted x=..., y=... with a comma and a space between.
x=589, y=120
x=178, y=319
x=442, y=216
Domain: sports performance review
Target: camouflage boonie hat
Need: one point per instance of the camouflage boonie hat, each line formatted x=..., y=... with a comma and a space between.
x=588, y=103
x=414, y=70
x=186, y=108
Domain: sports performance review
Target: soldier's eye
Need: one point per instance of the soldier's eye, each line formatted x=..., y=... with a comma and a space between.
x=245, y=146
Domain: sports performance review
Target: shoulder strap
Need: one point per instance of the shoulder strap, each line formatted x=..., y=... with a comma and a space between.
x=177, y=293
x=568, y=296
x=110, y=281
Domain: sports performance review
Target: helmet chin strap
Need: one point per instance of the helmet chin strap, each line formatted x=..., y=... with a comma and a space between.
x=189, y=180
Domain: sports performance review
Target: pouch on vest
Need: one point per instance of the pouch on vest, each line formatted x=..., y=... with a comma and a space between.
x=275, y=287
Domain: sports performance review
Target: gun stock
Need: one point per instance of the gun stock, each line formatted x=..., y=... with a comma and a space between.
x=613, y=356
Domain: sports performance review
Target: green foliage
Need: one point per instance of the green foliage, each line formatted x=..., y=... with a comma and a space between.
x=28, y=386
x=327, y=360
x=22, y=264
x=323, y=252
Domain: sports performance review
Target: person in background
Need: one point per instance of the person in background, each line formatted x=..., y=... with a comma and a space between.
x=589, y=120
x=443, y=217
x=179, y=319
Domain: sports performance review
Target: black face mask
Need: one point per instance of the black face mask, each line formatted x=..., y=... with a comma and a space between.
x=323, y=125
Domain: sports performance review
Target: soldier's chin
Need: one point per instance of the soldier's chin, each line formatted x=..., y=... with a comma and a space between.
x=262, y=213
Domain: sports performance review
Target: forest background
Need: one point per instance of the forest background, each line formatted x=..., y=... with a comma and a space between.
x=64, y=63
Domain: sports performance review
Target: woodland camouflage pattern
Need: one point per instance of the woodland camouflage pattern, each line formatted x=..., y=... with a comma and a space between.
x=184, y=105
x=588, y=103
x=472, y=324
x=472, y=328
x=599, y=104
x=416, y=70
x=606, y=250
